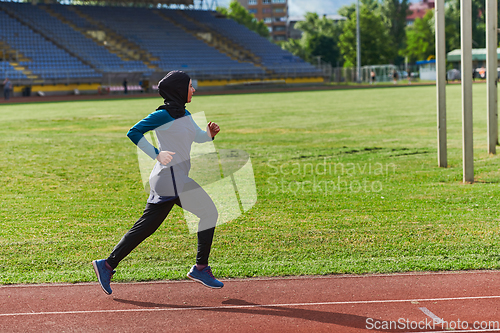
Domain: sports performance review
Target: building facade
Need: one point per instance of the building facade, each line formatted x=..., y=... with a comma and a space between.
x=418, y=10
x=274, y=13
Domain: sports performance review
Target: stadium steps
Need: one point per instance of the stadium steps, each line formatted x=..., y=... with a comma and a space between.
x=13, y=57
x=8, y=53
x=224, y=44
x=52, y=40
x=111, y=47
x=210, y=38
x=29, y=74
x=116, y=43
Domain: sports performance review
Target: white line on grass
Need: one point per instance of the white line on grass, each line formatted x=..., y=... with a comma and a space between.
x=194, y=308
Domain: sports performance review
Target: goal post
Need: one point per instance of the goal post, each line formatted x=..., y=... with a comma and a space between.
x=466, y=77
x=441, y=82
x=492, y=73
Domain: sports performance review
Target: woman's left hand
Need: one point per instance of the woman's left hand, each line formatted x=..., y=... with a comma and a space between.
x=212, y=129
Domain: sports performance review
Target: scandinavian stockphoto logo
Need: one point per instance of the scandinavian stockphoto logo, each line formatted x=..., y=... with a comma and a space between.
x=226, y=175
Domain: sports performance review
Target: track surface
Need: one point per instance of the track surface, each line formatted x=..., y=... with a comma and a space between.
x=340, y=303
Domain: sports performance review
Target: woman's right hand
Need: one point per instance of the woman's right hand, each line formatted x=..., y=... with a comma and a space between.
x=165, y=156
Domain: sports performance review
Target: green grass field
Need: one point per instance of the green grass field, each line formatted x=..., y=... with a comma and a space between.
x=347, y=182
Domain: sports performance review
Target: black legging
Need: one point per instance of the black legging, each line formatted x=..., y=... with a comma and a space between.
x=195, y=200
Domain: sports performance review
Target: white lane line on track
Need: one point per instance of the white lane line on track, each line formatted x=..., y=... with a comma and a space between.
x=434, y=318
x=194, y=308
x=459, y=331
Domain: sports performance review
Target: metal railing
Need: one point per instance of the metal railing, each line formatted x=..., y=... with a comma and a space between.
x=383, y=73
x=109, y=78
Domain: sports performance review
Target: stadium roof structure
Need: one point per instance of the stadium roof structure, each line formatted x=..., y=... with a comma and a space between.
x=142, y=2
x=137, y=3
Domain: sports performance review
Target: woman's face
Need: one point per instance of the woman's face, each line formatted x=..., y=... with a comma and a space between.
x=190, y=91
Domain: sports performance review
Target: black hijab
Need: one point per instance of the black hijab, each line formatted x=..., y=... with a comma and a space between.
x=174, y=90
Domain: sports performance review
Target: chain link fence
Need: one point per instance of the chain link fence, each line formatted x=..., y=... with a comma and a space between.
x=374, y=74
x=145, y=81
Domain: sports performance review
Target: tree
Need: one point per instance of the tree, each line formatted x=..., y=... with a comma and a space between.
x=238, y=13
x=478, y=24
x=420, y=38
x=452, y=25
x=452, y=29
x=348, y=10
x=295, y=47
x=394, y=13
x=325, y=47
x=320, y=37
x=376, y=44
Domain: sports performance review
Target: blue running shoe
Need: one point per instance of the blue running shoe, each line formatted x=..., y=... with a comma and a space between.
x=205, y=277
x=104, y=275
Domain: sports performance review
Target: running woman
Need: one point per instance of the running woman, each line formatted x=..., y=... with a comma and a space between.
x=169, y=181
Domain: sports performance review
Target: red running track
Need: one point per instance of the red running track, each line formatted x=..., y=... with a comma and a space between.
x=464, y=301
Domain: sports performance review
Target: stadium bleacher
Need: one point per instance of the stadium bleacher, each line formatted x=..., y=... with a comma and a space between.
x=85, y=48
x=176, y=16
x=273, y=57
x=55, y=44
x=7, y=70
x=175, y=48
x=72, y=16
x=46, y=60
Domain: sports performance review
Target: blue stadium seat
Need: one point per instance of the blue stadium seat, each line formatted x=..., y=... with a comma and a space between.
x=41, y=52
x=168, y=35
x=173, y=46
x=273, y=57
x=97, y=55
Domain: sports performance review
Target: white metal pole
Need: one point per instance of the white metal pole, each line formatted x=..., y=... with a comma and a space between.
x=491, y=73
x=441, y=83
x=466, y=44
x=358, y=45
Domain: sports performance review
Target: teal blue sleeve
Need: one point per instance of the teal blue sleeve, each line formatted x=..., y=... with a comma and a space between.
x=150, y=123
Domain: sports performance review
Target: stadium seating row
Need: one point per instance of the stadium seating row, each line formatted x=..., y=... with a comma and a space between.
x=172, y=45
x=57, y=50
x=71, y=39
x=6, y=70
x=41, y=52
x=273, y=57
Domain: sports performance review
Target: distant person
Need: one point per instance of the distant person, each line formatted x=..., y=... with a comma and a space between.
x=482, y=73
x=373, y=77
x=395, y=77
x=7, y=87
x=125, y=87
x=409, y=78
x=169, y=181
